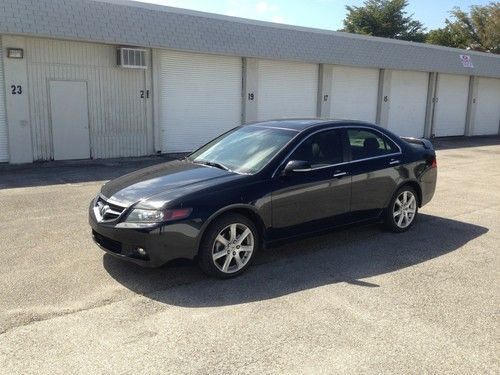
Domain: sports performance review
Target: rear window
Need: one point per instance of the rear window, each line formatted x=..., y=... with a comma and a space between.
x=366, y=143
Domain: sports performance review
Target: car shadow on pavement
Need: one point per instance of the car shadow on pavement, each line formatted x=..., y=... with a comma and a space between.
x=348, y=256
x=72, y=171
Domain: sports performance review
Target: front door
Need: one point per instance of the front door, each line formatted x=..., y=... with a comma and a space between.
x=70, y=121
x=315, y=199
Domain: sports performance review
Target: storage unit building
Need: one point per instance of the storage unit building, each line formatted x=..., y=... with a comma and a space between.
x=103, y=79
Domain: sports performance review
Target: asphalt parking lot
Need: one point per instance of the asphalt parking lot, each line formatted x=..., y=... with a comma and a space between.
x=360, y=300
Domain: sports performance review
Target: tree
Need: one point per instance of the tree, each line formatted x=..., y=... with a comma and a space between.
x=479, y=30
x=385, y=18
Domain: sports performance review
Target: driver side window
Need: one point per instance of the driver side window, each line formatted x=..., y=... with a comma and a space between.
x=320, y=149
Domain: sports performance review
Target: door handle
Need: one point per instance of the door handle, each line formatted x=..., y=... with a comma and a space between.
x=394, y=161
x=339, y=174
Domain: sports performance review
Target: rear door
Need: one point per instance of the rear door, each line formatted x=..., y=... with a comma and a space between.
x=374, y=171
x=317, y=198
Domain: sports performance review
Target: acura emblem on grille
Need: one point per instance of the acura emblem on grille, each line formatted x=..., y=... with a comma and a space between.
x=104, y=209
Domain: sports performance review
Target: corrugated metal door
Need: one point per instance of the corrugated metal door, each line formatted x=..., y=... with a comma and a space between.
x=200, y=98
x=408, y=102
x=354, y=93
x=4, y=143
x=286, y=89
x=451, y=107
x=117, y=97
x=487, y=115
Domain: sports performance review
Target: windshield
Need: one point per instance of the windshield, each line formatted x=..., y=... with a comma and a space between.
x=243, y=150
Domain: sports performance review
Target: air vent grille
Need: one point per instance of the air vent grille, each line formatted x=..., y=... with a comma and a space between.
x=132, y=58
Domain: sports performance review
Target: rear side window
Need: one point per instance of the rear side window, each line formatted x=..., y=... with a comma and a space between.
x=321, y=149
x=368, y=144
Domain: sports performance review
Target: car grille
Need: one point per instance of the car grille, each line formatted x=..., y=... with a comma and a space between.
x=106, y=211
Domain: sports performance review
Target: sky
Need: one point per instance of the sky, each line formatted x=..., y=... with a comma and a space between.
x=322, y=14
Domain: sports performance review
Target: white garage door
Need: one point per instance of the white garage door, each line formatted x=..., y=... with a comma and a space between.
x=487, y=107
x=4, y=145
x=200, y=98
x=408, y=102
x=286, y=89
x=451, y=108
x=354, y=93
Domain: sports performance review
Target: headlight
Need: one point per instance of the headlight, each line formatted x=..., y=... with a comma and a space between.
x=138, y=215
x=145, y=216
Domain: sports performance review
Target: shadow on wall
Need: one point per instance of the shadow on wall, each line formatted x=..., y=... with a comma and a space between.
x=345, y=256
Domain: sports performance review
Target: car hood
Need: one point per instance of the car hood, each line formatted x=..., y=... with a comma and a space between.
x=157, y=185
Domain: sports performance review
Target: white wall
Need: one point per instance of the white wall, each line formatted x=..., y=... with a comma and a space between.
x=17, y=104
x=4, y=141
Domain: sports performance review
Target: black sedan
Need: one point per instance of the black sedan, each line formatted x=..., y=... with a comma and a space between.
x=260, y=183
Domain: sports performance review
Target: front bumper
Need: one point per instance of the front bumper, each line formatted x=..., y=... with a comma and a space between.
x=162, y=242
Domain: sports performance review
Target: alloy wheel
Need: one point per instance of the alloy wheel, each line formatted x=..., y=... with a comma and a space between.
x=233, y=248
x=404, y=210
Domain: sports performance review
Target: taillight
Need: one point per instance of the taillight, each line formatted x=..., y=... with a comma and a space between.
x=434, y=163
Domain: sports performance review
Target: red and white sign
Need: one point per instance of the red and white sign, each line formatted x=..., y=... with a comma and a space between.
x=466, y=61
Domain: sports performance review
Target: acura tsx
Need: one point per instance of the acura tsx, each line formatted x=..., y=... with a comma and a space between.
x=260, y=183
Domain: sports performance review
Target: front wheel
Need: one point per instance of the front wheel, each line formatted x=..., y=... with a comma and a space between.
x=402, y=210
x=229, y=246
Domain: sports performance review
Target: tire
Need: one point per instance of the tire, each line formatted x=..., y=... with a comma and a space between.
x=402, y=212
x=223, y=253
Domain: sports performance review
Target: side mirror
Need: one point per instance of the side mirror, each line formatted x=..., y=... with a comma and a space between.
x=296, y=166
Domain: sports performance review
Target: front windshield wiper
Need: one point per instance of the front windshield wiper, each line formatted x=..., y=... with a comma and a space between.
x=213, y=164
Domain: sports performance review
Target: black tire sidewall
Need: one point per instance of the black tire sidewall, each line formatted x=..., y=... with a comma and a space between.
x=389, y=220
x=205, y=259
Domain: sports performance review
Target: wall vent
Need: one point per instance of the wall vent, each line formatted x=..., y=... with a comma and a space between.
x=132, y=58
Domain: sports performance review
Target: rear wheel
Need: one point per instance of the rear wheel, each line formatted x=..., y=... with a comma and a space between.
x=228, y=246
x=402, y=210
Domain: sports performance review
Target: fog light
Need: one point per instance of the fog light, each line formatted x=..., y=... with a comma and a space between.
x=141, y=251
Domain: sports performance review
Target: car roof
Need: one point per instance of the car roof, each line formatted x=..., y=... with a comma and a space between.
x=300, y=124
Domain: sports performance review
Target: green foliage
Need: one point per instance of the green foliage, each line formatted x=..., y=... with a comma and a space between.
x=446, y=37
x=477, y=30
x=384, y=18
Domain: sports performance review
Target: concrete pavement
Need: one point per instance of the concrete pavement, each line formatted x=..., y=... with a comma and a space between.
x=355, y=301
